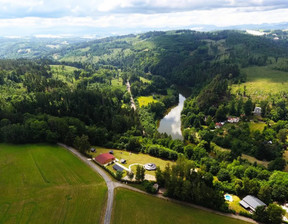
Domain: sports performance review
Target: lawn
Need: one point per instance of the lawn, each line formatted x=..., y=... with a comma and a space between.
x=235, y=204
x=47, y=184
x=145, y=100
x=262, y=82
x=133, y=207
x=132, y=158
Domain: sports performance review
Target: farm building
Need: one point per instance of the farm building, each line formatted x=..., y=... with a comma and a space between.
x=257, y=111
x=117, y=168
x=251, y=203
x=104, y=158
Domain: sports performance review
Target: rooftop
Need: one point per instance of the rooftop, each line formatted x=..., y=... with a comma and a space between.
x=251, y=202
x=104, y=158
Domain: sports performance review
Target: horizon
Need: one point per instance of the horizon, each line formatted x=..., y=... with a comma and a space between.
x=115, y=17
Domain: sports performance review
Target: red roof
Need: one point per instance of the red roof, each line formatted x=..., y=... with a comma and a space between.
x=104, y=158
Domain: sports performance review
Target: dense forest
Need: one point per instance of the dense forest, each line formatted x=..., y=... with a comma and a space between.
x=77, y=95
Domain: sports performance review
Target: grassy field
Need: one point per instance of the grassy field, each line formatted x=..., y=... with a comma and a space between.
x=64, y=73
x=133, y=207
x=117, y=82
x=244, y=156
x=47, y=184
x=142, y=79
x=257, y=126
x=263, y=81
x=132, y=158
x=145, y=100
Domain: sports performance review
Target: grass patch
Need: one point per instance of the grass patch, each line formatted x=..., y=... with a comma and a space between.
x=134, y=207
x=117, y=82
x=142, y=79
x=257, y=126
x=145, y=100
x=47, y=184
x=235, y=204
x=262, y=82
x=252, y=160
x=64, y=73
x=132, y=158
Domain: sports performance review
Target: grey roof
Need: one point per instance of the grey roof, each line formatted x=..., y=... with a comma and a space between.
x=251, y=202
x=117, y=168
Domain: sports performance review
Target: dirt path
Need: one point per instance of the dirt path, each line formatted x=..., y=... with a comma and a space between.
x=112, y=185
x=131, y=97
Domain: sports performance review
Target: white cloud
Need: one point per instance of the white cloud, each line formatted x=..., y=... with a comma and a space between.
x=32, y=15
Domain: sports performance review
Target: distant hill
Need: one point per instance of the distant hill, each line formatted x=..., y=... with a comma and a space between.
x=182, y=56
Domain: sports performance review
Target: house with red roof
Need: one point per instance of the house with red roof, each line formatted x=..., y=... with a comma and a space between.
x=104, y=158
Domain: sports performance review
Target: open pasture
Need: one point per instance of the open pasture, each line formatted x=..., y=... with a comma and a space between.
x=47, y=184
x=133, y=207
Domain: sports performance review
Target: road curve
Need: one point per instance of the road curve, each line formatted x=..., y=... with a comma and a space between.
x=111, y=185
x=109, y=182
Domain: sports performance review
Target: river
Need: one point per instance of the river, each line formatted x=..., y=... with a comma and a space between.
x=171, y=123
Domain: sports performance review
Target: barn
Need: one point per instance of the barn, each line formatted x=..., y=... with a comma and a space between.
x=104, y=158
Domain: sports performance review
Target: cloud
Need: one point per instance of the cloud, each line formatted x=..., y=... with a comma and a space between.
x=94, y=8
x=32, y=16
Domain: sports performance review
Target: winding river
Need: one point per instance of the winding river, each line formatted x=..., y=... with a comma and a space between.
x=171, y=123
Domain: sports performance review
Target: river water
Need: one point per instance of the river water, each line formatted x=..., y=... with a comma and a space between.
x=171, y=123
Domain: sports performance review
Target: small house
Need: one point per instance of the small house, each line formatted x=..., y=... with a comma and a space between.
x=251, y=203
x=257, y=111
x=218, y=125
x=233, y=119
x=93, y=150
x=104, y=158
x=118, y=168
x=111, y=152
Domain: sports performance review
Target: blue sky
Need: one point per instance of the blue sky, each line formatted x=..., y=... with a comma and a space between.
x=30, y=17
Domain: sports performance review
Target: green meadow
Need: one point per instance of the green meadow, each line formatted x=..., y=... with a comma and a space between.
x=262, y=81
x=47, y=184
x=145, y=100
x=133, y=207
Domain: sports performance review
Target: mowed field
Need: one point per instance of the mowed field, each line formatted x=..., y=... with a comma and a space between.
x=263, y=81
x=47, y=184
x=133, y=207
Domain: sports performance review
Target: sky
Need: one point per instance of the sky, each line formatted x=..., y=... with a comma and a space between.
x=86, y=17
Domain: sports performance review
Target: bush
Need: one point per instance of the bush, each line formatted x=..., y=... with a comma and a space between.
x=246, y=214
